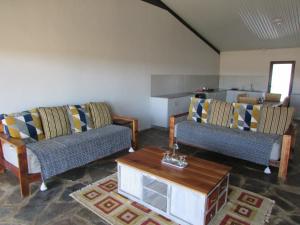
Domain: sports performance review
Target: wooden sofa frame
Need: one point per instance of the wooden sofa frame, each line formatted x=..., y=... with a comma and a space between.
x=288, y=143
x=22, y=171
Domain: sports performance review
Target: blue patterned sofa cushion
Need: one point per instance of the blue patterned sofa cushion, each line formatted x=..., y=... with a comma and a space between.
x=252, y=146
x=60, y=154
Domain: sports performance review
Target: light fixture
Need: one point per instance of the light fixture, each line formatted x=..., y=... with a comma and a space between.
x=277, y=21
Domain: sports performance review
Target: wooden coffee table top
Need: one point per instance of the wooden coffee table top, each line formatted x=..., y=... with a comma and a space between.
x=200, y=175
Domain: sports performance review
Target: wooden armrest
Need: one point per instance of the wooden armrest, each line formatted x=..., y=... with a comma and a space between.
x=180, y=115
x=172, y=122
x=291, y=130
x=18, y=143
x=134, y=125
x=288, y=143
x=124, y=118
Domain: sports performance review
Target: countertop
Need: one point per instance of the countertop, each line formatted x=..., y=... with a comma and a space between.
x=175, y=95
x=183, y=94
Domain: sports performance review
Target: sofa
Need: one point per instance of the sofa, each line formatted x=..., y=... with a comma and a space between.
x=257, y=133
x=47, y=141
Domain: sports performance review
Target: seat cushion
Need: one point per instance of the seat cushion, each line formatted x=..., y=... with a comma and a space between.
x=220, y=113
x=24, y=125
x=55, y=121
x=80, y=118
x=198, y=110
x=252, y=146
x=63, y=153
x=100, y=114
x=275, y=120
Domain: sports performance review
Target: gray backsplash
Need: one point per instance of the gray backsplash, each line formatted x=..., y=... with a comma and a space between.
x=259, y=83
x=170, y=84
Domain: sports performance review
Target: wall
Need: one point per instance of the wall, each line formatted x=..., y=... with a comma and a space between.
x=56, y=52
x=241, y=68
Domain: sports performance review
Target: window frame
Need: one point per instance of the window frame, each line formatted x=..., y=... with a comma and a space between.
x=293, y=62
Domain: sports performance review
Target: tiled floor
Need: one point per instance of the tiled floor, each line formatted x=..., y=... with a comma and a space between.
x=56, y=207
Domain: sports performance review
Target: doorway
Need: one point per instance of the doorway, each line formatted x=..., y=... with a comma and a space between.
x=281, y=78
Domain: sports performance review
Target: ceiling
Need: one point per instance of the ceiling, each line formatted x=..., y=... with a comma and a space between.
x=243, y=24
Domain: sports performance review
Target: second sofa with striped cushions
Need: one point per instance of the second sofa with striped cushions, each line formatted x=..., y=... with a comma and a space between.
x=242, y=116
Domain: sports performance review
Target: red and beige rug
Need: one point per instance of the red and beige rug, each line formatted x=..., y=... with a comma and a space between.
x=243, y=207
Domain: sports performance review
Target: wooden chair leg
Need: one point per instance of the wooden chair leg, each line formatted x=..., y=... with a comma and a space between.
x=23, y=174
x=2, y=169
x=135, y=127
x=285, y=156
x=24, y=186
x=171, y=132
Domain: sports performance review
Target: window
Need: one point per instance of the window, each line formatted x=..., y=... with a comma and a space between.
x=281, y=78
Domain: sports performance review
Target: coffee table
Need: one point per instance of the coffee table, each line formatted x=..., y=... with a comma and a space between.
x=192, y=195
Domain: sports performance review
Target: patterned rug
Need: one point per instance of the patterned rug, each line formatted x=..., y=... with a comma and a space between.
x=243, y=207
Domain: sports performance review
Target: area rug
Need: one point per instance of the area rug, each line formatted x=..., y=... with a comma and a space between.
x=243, y=207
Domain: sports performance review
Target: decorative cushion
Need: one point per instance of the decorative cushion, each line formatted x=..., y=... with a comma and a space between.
x=24, y=125
x=198, y=110
x=100, y=114
x=79, y=117
x=245, y=116
x=1, y=124
x=275, y=120
x=55, y=121
x=220, y=113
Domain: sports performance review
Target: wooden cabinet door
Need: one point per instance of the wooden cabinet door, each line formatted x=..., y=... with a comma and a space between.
x=130, y=181
x=187, y=205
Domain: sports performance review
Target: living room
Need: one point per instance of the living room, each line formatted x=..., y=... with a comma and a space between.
x=114, y=57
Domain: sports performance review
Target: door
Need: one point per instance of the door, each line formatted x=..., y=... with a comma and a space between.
x=187, y=205
x=130, y=181
x=281, y=78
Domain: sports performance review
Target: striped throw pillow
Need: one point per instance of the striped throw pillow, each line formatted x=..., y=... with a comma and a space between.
x=100, y=114
x=79, y=117
x=275, y=120
x=198, y=110
x=220, y=113
x=23, y=125
x=55, y=121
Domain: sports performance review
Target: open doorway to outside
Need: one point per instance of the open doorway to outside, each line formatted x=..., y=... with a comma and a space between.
x=281, y=78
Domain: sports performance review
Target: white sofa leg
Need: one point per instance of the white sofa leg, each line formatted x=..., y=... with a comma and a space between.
x=43, y=187
x=267, y=170
x=131, y=149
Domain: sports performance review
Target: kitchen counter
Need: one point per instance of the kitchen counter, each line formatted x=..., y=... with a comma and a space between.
x=175, y=95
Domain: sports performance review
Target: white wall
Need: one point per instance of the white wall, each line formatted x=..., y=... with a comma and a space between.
x=256, y=64
x=55, y=52
x=240, y=68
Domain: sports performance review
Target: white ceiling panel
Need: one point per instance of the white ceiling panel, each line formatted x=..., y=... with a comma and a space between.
x=243, y=24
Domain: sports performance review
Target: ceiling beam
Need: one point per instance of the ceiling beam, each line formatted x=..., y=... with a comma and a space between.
x=162, y=5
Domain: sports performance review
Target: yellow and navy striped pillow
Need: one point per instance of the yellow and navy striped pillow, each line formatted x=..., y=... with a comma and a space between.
x=275, y=120
x=23, y=125
x=79, y=117
x=55, y=121
x=100, y=114
x=220, y=113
